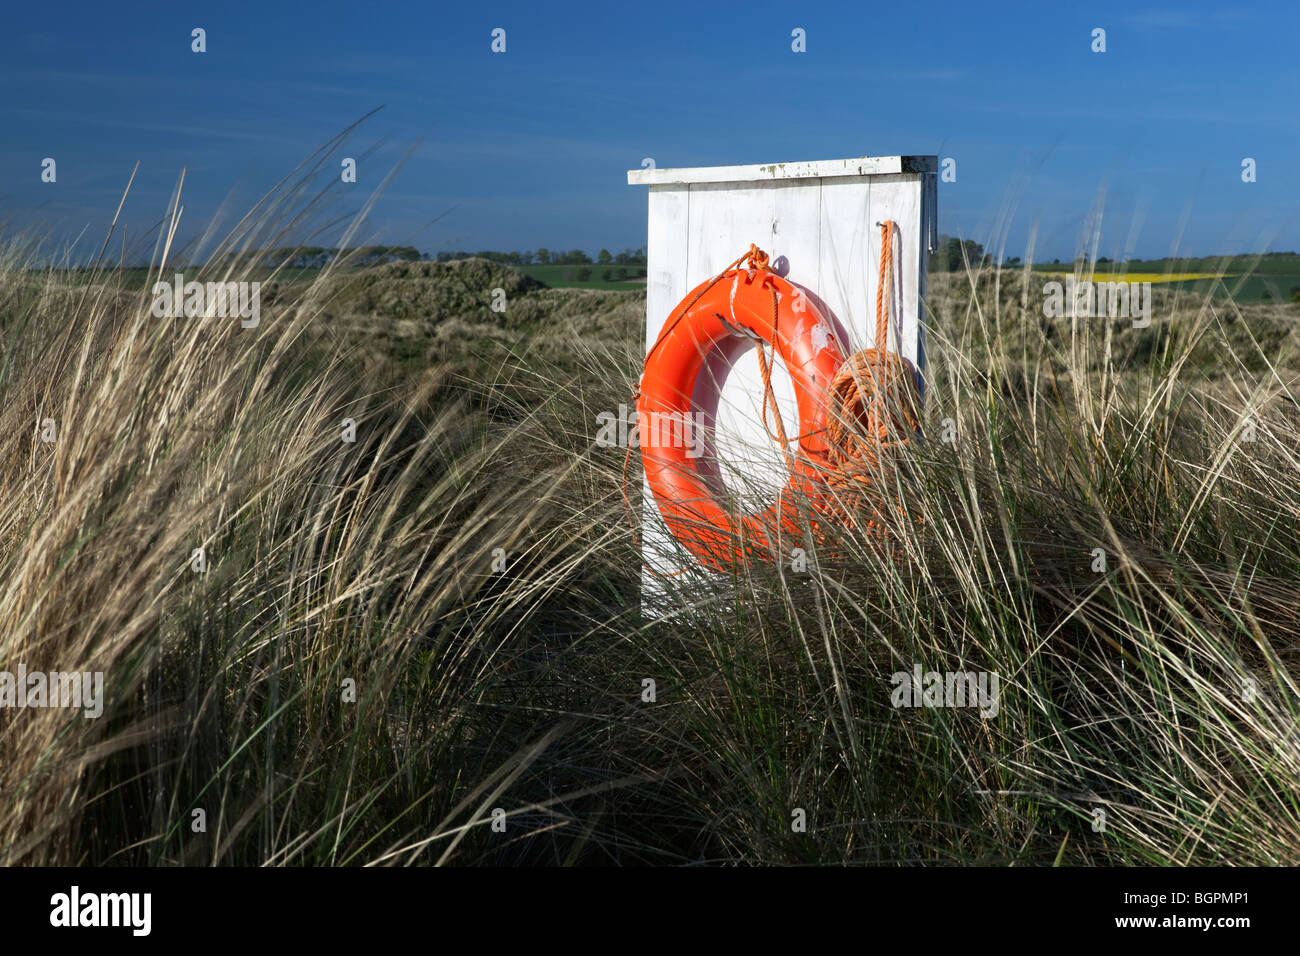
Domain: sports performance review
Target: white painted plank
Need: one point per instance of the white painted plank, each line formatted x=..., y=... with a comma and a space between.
x=850, y=256
x=819, y=169
x=666, y=275
x=667, y=242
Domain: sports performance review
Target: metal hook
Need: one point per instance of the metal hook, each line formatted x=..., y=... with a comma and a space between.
x=738, y=330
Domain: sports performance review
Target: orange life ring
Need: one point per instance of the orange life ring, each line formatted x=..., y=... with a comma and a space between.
x=749, y=303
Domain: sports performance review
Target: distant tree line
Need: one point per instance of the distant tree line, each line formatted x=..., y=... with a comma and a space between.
x=952, y=255
x=550, y=257
x=317, y=257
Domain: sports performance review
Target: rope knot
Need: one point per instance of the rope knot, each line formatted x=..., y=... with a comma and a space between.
x=756, y=258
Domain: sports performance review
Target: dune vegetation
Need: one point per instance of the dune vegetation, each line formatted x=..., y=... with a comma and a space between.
x=365, y=590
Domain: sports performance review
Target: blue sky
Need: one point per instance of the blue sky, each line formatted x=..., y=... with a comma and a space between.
x=530, y=148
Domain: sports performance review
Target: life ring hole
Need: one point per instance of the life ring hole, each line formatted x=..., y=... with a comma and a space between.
x=739, y=460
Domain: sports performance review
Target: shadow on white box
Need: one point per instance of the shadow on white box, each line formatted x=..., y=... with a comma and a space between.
x=819, y=223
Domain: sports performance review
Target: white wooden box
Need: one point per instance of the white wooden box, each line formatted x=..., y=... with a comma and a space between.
x=819, y=223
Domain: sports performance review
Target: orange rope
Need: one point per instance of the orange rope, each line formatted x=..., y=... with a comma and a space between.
x=873, y=393
x=849, y=389
x=873, y=396
x=883, y=282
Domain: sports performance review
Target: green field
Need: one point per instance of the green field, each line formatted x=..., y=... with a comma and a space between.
x=566, y=277
x=1274, y=277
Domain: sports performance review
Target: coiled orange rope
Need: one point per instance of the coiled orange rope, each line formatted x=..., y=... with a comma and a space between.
x=872, y=408
x=874, y=405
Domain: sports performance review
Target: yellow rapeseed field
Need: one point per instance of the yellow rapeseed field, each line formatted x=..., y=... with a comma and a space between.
x=1152, y=277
